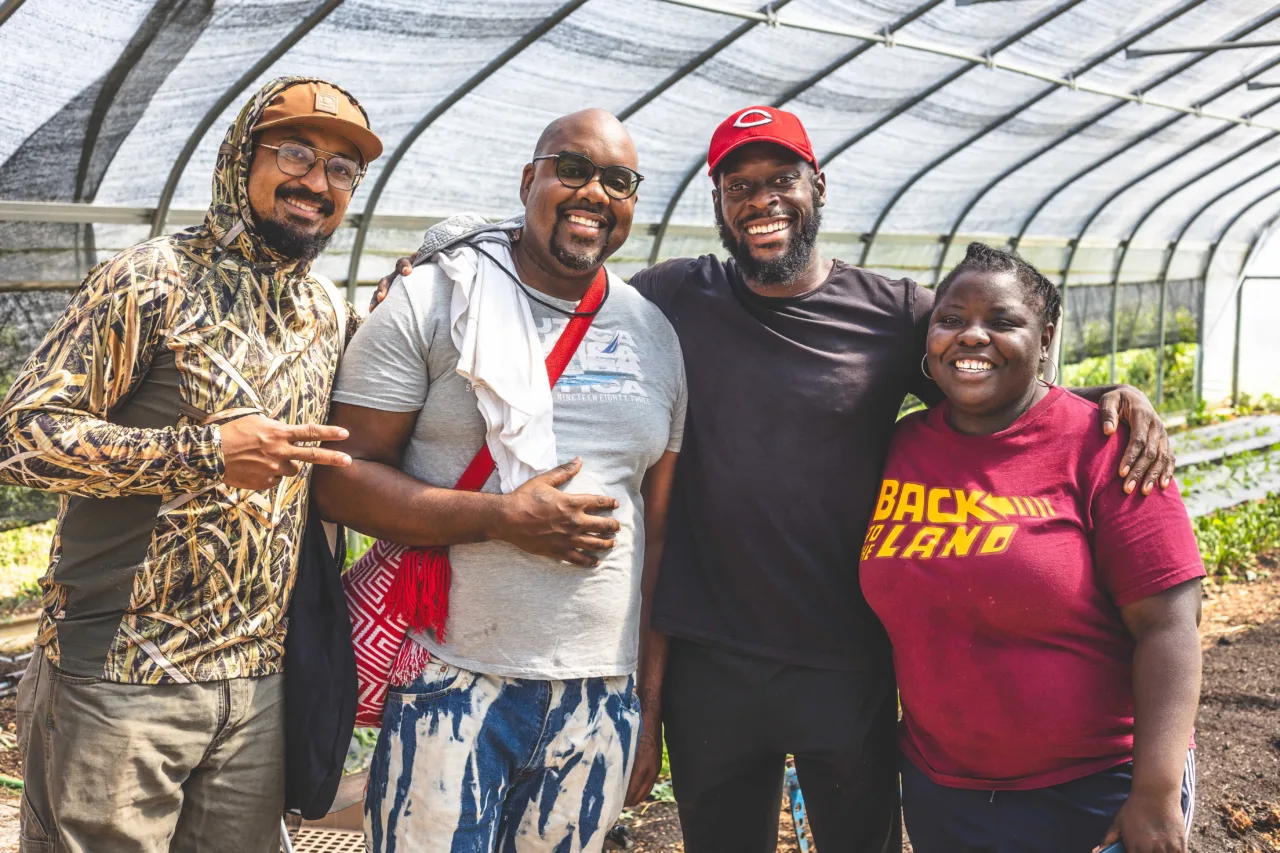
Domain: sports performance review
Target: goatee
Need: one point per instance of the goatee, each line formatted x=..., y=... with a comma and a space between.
x=578, y=260
x=291, y=241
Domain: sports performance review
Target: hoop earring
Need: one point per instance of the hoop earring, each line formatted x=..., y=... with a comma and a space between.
x=924, y=366
x=1051, y=382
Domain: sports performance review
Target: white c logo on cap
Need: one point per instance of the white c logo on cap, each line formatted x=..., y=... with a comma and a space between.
x=744, y=120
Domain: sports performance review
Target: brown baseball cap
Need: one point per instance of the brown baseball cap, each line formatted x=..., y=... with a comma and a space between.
x=322, y=105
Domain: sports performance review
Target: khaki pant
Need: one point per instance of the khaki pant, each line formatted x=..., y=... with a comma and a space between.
x=127, y=768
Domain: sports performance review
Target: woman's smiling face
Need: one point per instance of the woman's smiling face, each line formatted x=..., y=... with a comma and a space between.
x=986, y=342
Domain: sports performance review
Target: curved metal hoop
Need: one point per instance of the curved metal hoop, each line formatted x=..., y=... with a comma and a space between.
x=490, y=68
x=781, y=100
x=1076, y=130
x=7, y=8
x=915, y=100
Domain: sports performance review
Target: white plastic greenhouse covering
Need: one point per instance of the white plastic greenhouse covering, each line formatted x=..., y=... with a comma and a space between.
x=1132, y=180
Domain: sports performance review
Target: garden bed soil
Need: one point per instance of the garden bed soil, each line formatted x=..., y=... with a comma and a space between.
x=1238, y=745
x=1232, y=608
x=656, y=829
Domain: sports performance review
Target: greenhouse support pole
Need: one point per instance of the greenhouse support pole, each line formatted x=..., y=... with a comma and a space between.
x=1061, y=344
x=491, y=67
x=7, y=8
x=1164, y=301
x=789, y=95
x=224, y=100
x=1235, y=347
x=1257, y=241
x=1204, y=330
x=1198, y=378
x=1115, y=311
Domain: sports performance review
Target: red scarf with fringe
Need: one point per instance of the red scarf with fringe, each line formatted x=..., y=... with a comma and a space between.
x=393, y=590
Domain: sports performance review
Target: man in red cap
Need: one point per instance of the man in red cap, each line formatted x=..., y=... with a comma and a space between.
x=175, y=406
x=760, y=643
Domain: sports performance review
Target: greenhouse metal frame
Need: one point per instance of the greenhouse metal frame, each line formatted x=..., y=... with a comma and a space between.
x=1129, y=149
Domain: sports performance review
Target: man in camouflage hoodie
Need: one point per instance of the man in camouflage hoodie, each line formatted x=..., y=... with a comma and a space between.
x=175, y=406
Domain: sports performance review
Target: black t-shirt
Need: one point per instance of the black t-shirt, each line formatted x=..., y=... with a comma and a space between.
x=792, y=402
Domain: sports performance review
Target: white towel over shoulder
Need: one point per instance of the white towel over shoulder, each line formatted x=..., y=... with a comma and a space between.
x=501, y=356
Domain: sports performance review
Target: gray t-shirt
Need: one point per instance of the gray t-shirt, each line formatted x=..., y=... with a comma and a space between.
x=619, y=405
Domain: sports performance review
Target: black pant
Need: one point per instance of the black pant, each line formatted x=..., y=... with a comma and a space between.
x=730, y=721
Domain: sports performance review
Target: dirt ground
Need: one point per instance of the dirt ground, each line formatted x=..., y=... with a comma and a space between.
x=1237, y=735
x=1238, y=745
x=657, y=829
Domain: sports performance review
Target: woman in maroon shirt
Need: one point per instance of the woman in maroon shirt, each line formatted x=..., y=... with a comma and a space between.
x=1043, y=620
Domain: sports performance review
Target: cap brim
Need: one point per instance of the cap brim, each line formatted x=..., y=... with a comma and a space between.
x=364, y=139
x=785, y=143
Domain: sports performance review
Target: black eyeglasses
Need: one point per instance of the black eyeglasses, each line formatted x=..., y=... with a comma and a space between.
x=577, y=170
x=296, y=160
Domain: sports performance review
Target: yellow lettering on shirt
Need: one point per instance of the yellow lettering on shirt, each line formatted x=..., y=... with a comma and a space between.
x=911, y=503
x=935, y=513
x=941, y=522
x=884, y=506
x=967, y=506
x=873, y=533
x=998, y=539
x=962, y=539
x=886, y=547
x=926, y=541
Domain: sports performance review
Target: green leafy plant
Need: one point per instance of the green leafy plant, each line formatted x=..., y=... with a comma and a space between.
x=1266, y=404
x=1231, y=539
x=360, y=752
x=362, y=543
x=1138, y=367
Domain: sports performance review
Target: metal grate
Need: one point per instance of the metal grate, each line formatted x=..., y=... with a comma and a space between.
x=328, y=841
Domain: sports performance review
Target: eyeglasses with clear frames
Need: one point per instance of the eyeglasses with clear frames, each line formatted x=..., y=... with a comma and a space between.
x=296, y=160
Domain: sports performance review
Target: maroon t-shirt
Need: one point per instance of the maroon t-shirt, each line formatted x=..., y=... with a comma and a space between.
x=998, y=565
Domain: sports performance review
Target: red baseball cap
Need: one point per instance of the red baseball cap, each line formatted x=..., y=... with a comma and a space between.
x=759, y=124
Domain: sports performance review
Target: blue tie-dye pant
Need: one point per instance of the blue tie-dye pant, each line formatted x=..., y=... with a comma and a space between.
x=474, y=763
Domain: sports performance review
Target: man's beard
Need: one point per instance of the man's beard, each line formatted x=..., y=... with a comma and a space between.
x=291, y=241
x=576, y=259
x=783, y=270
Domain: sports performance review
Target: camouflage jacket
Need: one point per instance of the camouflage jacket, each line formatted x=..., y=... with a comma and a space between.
x=159, y=572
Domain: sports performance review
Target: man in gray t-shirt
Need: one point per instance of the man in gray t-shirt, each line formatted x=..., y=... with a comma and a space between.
x=521, y=731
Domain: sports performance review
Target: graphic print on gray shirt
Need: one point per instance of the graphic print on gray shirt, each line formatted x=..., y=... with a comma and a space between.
x=620, y=404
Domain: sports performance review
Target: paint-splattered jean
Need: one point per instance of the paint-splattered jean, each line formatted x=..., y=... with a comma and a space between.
x=474, y=763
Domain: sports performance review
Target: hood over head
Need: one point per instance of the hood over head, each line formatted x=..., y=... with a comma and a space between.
x=230, y=218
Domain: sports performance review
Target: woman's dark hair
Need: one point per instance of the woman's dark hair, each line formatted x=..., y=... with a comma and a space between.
x=983, y=258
